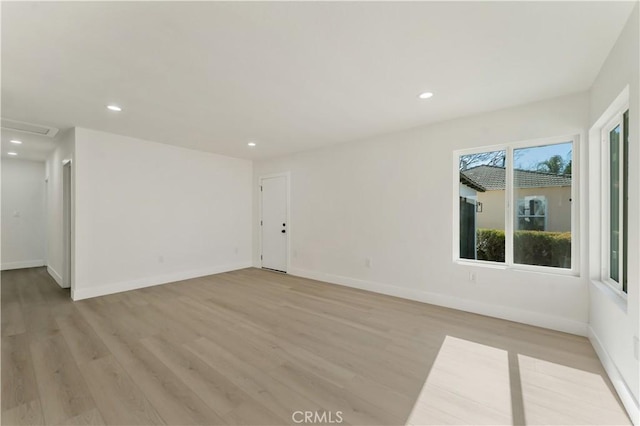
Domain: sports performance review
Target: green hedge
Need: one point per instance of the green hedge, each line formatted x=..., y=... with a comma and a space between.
x=530, y=247
x=490, y=244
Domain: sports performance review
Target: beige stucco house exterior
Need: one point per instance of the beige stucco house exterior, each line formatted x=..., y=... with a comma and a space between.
x=543, y=199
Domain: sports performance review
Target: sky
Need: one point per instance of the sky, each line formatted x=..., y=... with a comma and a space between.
x=529, y=158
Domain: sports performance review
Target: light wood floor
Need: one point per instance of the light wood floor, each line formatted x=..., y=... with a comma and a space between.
x=254, y=347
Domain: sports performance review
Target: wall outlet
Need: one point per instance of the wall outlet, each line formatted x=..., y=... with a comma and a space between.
x=295, y=253
x=160, y=259
x=472, y=277
x=636, y=347
x=367, y=262
x=236, y=250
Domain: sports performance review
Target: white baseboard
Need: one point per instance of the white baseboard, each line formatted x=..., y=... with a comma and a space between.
x=55, y=275
x=103, y=290
x=497, y=311
x=23, y=264
x=627, y=398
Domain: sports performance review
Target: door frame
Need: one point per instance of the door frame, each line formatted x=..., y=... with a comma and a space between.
x=67, y=224
x=47, y=206
x=287, y=176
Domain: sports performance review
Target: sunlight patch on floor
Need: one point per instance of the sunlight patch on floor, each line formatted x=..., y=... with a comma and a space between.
x=468, y=384
x=556, y=394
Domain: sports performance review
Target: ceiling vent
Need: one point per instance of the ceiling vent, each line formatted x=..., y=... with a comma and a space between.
x=36, y=129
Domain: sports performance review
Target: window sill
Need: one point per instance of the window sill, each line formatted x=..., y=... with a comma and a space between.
x=518, y=268
x=482, y=264
x=617, y=298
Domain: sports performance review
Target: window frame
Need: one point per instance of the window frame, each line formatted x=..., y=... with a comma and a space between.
x=617, y=119
x=511, y=205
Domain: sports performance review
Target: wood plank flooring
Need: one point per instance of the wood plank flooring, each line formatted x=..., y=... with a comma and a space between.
x=255, y=347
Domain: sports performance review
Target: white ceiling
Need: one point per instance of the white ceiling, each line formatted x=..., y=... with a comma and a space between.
x=291, y=76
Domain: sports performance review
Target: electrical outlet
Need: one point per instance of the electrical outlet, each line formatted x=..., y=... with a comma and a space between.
x=160, y=259
x=367, y=262
x=236, y=250
x=472, y=277
x=295, y=253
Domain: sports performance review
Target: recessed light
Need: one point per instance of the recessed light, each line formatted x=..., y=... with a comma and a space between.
x=114, y=108
x=12, y=153
x=17, y=142
x=425, y=95
x=251, y=144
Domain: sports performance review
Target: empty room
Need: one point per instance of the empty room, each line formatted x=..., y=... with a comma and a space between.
x=320, y=213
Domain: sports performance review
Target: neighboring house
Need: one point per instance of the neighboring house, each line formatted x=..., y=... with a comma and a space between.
x=543, y=199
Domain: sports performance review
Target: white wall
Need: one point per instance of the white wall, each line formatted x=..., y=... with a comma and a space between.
x=23, y=218
x=149, y=213
x=614, y=324
x=390, y=199
x=54, y=225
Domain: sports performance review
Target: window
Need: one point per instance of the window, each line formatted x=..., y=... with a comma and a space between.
x=542, y=186
x=516, y=204
x=482, y=198
x=615, y=168
x=532, y=213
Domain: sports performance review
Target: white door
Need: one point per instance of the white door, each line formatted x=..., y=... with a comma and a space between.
x=274, y=223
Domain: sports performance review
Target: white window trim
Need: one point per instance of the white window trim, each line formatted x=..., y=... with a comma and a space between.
x=616, y=120
x=596, y=198
x=511, y=205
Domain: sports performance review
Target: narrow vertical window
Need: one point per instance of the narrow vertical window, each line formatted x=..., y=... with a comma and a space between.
x=616, y=175
x=615, y=257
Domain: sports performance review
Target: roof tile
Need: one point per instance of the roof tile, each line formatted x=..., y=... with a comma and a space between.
x=493, y=178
